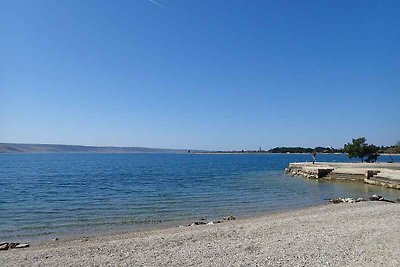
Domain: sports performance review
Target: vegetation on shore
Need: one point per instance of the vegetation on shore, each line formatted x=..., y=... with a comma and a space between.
x=395, y=149
x=360, y=149
x=279, y=150
x=368, y=150
x=318, y=149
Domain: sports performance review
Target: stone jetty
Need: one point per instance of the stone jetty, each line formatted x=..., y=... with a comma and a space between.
x=382, y=174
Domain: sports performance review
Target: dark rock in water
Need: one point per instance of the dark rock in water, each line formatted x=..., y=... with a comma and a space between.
x=3, y=246
x=375, y=197
x=22, y=245
x=229, y=218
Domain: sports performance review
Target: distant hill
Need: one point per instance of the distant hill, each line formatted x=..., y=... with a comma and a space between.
x=49, y=148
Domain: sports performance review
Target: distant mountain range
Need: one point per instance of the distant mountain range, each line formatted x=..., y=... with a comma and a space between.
x=50, y=148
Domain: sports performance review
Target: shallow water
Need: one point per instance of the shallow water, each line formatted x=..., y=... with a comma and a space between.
x=48, y=195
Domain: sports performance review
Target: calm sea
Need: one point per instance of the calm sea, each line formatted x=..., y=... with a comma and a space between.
x=49, y=195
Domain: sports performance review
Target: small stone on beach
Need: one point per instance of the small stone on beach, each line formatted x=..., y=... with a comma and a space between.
x=12, y=245
x=336, y=201
x=25, y=245
x=198, y=223
x=348, y=200
x=6, y=246
x=376, y=197
x=345, y=200
x=229, y=218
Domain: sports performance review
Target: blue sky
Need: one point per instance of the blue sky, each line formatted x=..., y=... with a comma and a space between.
x=200, y=74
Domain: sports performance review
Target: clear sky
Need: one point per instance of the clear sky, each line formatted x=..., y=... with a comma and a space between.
x=216, y=74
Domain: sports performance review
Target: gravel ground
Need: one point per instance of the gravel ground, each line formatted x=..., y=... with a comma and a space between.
x=361, y=234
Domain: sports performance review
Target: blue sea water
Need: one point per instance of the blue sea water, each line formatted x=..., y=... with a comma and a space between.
x=48, y=195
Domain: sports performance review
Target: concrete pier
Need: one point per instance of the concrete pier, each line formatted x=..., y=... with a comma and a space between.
x=382, y=174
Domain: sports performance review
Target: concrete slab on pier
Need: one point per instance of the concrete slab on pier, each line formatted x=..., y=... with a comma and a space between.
x=381, y=173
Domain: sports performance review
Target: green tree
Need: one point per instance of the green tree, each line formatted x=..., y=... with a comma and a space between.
x=360, y=149
x=397, y=147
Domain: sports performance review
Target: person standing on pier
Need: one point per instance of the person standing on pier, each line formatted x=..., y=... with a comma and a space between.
x=314, y=157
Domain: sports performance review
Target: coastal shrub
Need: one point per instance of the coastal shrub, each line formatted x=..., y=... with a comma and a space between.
x=360, y=149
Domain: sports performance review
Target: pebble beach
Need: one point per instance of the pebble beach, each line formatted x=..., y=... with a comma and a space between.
x=357, y=234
